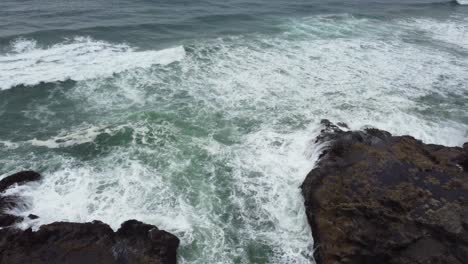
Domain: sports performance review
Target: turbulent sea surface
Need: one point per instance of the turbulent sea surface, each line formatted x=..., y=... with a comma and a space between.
x=199, y=116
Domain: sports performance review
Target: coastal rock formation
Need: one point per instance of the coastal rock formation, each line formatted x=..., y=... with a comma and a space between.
x=378, y=198
x=77, y=243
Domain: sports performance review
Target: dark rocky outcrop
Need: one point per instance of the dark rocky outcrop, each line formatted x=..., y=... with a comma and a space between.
x=378, y=198
x=77, y=243
x=19, y=178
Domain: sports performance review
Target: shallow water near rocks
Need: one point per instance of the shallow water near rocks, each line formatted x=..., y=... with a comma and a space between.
x=200, y=117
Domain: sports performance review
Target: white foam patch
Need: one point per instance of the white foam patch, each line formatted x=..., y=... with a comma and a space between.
x=78, y=136
x=78, y=59
x=66, y=138
x=9, y=144
x=462, y=2
x=140, y=134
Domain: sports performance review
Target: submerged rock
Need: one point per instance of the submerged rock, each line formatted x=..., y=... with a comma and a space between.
x=77, y=243
x=378, y=198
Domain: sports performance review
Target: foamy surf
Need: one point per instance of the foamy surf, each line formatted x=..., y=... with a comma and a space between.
x=78, y=59
x=462, y=2
x=215, y=149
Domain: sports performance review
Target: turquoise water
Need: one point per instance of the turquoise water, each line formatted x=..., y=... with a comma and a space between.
x=199, y=117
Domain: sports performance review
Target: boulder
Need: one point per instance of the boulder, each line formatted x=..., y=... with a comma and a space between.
x=378, y=198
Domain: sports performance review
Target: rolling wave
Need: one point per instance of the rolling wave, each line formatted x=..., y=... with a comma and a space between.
x=81, y=58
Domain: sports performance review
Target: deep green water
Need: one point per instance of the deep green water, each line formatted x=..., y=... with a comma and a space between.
x=199, y=116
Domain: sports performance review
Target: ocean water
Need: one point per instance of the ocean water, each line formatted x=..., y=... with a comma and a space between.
x=199, y=116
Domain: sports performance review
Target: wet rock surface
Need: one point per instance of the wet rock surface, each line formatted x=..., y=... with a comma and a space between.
x=77, y=243
x=378, y=198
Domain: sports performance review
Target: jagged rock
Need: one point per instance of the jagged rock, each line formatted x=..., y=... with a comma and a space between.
x=76, y=243
x=378, y=198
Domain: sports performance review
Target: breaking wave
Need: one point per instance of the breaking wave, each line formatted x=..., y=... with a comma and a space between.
x=80, y=58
